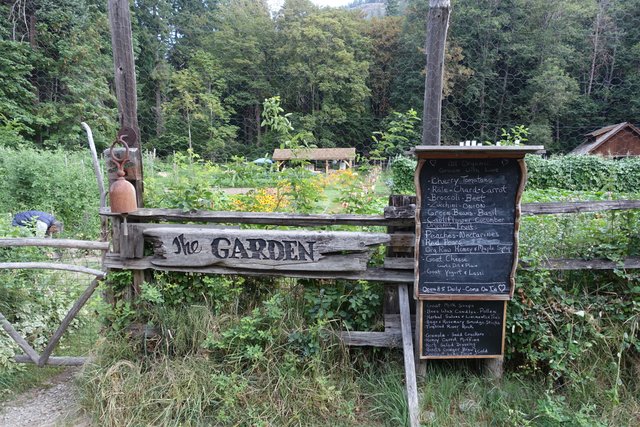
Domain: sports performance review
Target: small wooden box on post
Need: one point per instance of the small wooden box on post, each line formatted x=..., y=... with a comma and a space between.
x=467, y=221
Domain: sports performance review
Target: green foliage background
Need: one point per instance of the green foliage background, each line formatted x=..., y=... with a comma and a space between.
x=562, y=69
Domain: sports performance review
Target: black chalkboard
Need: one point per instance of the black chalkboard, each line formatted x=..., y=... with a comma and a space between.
x=467, y=226
x=462, y=329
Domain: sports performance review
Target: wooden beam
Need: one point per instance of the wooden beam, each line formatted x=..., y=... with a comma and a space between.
x=32, y=355
x=55, y=361
x=123, y=63
x=437, y=27
x=373, y=339
x=54, y=243
x=578, y=207
x=371, y=274
x=408, y=212
x=581, y=264
x=53, y=342
x=266, y=218
x=51, y=266
x=409, y=356
x=548, y=264
x=125, y=76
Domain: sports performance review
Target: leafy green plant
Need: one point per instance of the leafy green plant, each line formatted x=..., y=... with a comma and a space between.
x=274, y=119
x=402, y=176
x=401, y=133
x=355, y=305
x=514, y=136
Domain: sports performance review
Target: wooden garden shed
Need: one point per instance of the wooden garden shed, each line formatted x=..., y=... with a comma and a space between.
x=621, y=140
x=345, y=155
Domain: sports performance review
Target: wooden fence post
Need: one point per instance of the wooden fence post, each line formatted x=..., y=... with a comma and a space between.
x=125, y=76
x=437, y=26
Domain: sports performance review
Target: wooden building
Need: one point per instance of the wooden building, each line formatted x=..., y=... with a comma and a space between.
x=621, y=140
x=344, y=155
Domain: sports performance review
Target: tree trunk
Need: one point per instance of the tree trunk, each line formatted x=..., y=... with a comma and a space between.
x=596, y=43
x=189, y=130
x=158, y=111
x=258, y=127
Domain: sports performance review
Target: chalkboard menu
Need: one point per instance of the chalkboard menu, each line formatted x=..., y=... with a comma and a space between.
x=468, y=226
x=462, y=329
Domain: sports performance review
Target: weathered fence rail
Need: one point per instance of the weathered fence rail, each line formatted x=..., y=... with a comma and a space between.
x=398, y=265
x=31, y=355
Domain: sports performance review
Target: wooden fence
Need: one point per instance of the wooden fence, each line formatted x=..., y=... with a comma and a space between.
x=32, y=356
x=127, y=251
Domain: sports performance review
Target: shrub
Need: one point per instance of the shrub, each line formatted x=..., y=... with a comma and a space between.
x=59, y=182
x=402, y=171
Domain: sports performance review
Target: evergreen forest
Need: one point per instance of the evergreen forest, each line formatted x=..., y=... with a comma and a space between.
x=561, y=68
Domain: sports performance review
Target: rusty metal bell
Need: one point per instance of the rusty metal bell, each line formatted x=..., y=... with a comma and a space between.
x=122, y=196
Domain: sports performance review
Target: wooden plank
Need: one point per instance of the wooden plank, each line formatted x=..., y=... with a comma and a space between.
x=549, y=264
x=579, y=264
x=371, y=274
x=396, y=263
x=434, y=151
x=373, y=339
x=55, y=361
x=402, y=242
x=116, y=231
x=53, y=342
x=578, y=207
x=32, y=355
x=133, y=241
x=392, y=321
x=289, y=250
x=494, y=368
x=408, y=352
x=52, y=266
x=54, y=243
x=408, y=212
x=266, y=218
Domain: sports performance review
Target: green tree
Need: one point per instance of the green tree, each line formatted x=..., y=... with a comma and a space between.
x=17, y=94
x=323, y=61
x=66, y=44
x=401, y=134
x=244, y=43
x=195, y=102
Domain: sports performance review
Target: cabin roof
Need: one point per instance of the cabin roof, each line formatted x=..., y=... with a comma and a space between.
x=314, y=154
x=599, y=136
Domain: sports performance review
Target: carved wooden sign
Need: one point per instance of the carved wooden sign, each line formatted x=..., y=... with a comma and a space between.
x=176, y=246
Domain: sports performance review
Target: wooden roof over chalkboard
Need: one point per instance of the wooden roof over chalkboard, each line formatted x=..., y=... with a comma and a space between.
x=478, y=151
x=314, y=154
x=600, y=136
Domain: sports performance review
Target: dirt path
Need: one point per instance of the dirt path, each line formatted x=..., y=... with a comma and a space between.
x=53, y=404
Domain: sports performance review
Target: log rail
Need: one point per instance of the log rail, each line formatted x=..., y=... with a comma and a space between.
x=31, y=355
x=397, y=269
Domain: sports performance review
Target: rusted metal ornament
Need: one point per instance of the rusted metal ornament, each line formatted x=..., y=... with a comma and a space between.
x=122, y=194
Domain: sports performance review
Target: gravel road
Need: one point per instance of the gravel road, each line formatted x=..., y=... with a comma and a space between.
x=52, y=405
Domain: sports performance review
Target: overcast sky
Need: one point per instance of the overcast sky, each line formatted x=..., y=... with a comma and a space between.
x=275, y=4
